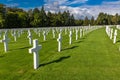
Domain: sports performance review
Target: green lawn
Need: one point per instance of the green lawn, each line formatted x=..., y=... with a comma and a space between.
x=94, y=57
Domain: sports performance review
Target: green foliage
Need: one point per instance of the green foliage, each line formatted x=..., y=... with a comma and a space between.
x=40, y=18
x=86, y=21
x=2, y=21
x=12, y=20
x=23, y=19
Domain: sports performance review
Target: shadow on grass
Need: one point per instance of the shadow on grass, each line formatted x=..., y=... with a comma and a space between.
x=20, y=48
x=69, y=48
x=44, y=41
x=118, y=41
x=78, y=41
x=1, y=56
x=54, y=61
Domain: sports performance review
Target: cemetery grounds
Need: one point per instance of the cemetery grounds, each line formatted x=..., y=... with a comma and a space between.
x=92, y=57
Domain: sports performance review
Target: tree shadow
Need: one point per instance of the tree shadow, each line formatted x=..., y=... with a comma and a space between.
x=25, y=47
x=83, y=38
x=118, y=41
x=78, y=41
x=69, y=48
x=44, y=41
x=1, y=56
x=54, y=61
x=20, y=48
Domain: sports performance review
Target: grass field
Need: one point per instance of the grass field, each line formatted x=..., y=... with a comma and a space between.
x=94, y=57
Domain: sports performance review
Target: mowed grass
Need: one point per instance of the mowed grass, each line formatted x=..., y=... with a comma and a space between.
x=93, y=57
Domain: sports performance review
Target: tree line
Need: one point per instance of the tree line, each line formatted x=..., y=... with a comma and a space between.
x=12, y=17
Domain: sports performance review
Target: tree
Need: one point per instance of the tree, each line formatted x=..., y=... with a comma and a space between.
x=43, y=17
x=79, y=22
x=92, y=21
x=12, y=20
x=86, y=21
x=36, y=10
x=36, y=21
x=23, y=19
x=2, y=21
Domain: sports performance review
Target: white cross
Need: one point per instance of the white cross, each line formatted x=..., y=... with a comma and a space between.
x=0, y=33
x=30, y=37
x=5, y=41
x=65, y=31
x=53, y=33
x=80, y=33
x=39, y=33
x=60, y=30
x=76, y=34
x=73, y=30
x=35, y=50
x=59, y=42
x=83, y=32
x=18, y=33
x=111, y=33
x=115, y=35
x=15, y=36
x=70, y=36
x=44, y=35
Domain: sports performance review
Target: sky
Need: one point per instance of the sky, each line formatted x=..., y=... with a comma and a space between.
x=79, y=8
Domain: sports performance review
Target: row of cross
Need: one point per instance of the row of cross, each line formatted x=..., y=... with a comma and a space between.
x=36, y=47
x=110, y=34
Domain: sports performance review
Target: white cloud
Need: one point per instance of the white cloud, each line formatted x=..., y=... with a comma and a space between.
x=65, y=2
x=77, y=1
x=12, y=5
x=85, y=10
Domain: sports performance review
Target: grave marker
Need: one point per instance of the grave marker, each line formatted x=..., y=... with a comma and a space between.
x=115, y=35
x=5, y=41
x=53, y=31
x=44, y=35
x=111, y=33
x=76, y=34
x=15, y=36
x=80, y=33
x=59, y=42
x=70, y=37
x=35, y=50
x=30, y=37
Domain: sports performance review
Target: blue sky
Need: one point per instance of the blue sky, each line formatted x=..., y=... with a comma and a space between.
x=38, y=3
x=79, y=8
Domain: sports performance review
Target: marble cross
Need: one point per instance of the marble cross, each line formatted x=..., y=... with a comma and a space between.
x=115, y=35
x=60, y=30
x=53, y=31
x=39, y=33
x=44, y=35
x=83, y=31
x=76, y=34
x=59, y=42
x=15, y=36
x=65, y=31
x=35, y=50
x=111, y=33
x=18, y=33
x=5, y=41
x=80, y=33
x=30, y=37
x=0, y=34
x=70, y=37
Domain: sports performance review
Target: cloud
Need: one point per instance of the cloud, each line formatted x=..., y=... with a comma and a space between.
x=12, y=5
x=84, y=10
x=65, y=2
x=77, y=1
